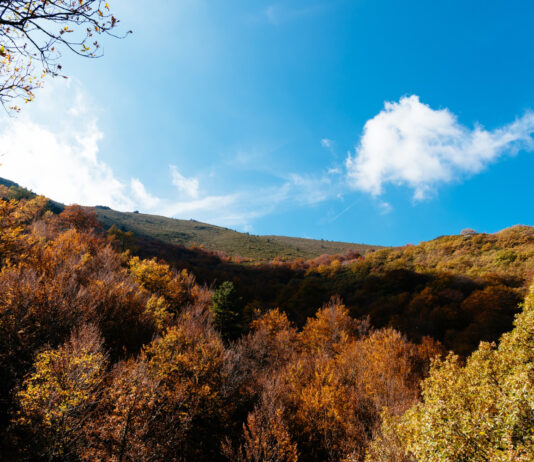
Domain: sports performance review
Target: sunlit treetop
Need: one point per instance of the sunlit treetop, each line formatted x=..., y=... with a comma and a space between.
x=33, y=35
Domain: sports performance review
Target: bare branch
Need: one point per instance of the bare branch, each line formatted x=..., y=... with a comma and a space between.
x=32, y=34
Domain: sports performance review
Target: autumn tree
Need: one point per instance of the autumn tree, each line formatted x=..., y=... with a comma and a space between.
x=468, y=232
x=78, y=217
x=58, y=397
x=256, y=357
x=132, y=421
x=188, y=362
x=273, y=338
x=266, y=436
x=34, y=33
x=479, y=411
x=177, y=288
x=124, y=240
x=15, y=239
x=331, y=329
x=388, y=368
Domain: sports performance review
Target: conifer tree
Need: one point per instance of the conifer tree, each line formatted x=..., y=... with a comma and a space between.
x=226, y=309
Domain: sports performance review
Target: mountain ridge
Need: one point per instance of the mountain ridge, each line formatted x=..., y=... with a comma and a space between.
x=193, y=233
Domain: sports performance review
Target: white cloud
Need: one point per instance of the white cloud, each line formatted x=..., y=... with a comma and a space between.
x=206, y=204
x=189, y=186
x=61, y=164
x=142, y=195
x=409, y=143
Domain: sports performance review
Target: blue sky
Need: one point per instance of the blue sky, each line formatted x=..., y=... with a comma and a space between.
x=370, y=121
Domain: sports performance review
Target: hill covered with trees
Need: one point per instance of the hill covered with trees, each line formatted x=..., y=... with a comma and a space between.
x=108, y=351
x=458, y=289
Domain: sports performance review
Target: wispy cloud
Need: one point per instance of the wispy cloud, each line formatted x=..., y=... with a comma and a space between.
x=385, y=207
x=211, y=207
x=339, y=214
x=188, y=186
x=55, y=150
x=311, y=189
x=142, y=196
x=330, y=146
x=409, y=143
x=327, y=143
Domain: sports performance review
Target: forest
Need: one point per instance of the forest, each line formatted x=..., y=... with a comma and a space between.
x=458, y=289
x=109, y=352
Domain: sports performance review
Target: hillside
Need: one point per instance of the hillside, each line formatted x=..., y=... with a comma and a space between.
x=17, y=192
x=194, y=320
x=97, y=344
x=457, y=289
x=192, y=233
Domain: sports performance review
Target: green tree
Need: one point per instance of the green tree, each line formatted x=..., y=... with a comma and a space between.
x=226, y=310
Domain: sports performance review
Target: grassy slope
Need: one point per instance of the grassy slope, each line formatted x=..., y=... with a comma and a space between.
x=316, y=247
x=194, y=233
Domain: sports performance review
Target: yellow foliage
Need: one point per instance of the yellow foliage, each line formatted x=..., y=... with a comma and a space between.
x=272, y=322
x=481, y=411
x=55, y=399
x=178, y=289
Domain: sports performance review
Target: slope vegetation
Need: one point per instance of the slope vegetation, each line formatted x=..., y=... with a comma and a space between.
x=106, y=355
x=192, y=233
x=457, y=289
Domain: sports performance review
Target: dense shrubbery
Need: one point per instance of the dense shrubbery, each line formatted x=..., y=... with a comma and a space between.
x=109, y=357
x=106, y=356
x=482, y=410
x=457, y=289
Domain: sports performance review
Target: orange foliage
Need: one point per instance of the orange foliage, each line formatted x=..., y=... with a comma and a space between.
x=331, y=329
x=78, y=217
x=145, y=375
x=325, y=399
